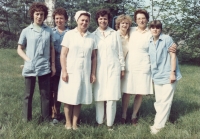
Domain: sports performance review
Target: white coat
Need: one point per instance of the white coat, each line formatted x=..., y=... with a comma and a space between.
x=78, y=89
x=110, y=62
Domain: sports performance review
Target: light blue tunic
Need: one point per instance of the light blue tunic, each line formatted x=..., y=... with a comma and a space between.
x=57, y=39
x=37, y=49
x=161, y=61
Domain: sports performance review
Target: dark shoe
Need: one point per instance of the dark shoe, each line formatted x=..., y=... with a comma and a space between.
x=55, y=121
x=123, y=121
x=134, y=121
x=110, y=129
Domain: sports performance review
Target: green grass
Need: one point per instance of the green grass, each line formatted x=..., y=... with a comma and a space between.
x=184, y=120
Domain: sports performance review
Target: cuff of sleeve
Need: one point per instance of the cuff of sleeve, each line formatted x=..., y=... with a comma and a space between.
x=122, y=68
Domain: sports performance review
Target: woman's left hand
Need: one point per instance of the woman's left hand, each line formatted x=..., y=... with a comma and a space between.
x=53, y=70
x=92, y=78
x=122, y=74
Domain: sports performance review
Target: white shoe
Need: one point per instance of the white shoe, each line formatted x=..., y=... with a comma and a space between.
x=154, y=130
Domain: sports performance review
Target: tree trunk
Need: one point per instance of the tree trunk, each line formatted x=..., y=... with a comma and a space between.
x=51, y=5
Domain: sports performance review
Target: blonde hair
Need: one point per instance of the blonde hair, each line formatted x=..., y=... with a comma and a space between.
x=121, y=18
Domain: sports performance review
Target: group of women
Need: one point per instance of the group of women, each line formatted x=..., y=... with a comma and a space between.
x=101, y=64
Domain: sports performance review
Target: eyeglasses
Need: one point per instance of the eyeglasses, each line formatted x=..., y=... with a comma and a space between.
x=139, y=19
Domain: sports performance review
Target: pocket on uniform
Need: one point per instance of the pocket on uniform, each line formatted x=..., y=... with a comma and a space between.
x=42, y=63
x=116, y=69
x=28, y=67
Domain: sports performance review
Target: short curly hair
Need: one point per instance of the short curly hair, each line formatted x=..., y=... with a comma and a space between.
x=103, y=12
x=60, y=11
x=141, y=11
x=121, y=18
x=38, y=6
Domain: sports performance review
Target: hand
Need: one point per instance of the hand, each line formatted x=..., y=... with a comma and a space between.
x=173, y=48
x=122, y=74
x=65, y=76
x=172, y=78
x=92, y=78
x=53, y=70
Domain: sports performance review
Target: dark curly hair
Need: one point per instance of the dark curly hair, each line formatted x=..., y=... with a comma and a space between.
x=141, y=11
x=60, y=11
x=38, y=6
x=103, y=12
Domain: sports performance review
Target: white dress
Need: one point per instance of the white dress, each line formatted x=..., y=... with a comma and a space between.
x=110, y=62
x=78, y=89
x=137, y=78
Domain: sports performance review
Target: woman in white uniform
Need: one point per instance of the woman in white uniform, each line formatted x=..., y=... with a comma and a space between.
x=110, y=66
x=78, y=62
x=123, y=26
x=137, y=78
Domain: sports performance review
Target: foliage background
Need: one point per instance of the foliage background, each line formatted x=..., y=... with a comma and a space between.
x=181, y=19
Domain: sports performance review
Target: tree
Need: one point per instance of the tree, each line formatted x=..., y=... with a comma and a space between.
x=181, y=19
x=13, y=18
x=115, y=6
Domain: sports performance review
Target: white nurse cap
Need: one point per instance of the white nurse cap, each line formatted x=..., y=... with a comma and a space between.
x=78, y=13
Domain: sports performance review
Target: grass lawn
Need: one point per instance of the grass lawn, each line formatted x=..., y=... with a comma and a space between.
x=184, y=120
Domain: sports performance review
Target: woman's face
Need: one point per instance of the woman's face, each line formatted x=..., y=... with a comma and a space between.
x=103, y=22
x=155, y=31
x=83, y=22
x=38, y=17
x=124, y=25
x=141, y=20
x=60, y=20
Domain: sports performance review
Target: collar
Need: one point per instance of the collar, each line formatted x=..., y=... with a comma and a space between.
x=146, y=29
x=31, y=26
x=85, y=34
x=125, y=37
x=108, y=29
x=161, y=37
x=56, y=29
x=107, y=32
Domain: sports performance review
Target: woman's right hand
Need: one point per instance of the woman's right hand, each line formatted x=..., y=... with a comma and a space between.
x=65, y=76
x=172, y=77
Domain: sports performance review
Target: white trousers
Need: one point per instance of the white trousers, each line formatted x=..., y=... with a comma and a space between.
x=164, y=95
x=110, y=112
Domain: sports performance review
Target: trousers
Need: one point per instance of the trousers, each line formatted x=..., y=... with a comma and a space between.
x=164, y=95
x=44, y=87
x=110, y=112
x=55, y=105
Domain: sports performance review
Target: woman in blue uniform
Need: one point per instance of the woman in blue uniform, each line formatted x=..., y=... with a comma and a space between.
x=37, y=39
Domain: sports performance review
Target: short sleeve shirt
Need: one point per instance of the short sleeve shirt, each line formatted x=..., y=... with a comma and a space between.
x=37, y=46
x=161, y=61
x=58, y=37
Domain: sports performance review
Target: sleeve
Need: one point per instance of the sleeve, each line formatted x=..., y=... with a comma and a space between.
x=51, y=38
x=22, y=39
x=94, y=43
x=120, y=52
x=149, y=48
x=169, y=42
x=54, y=37
x=66, y=41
